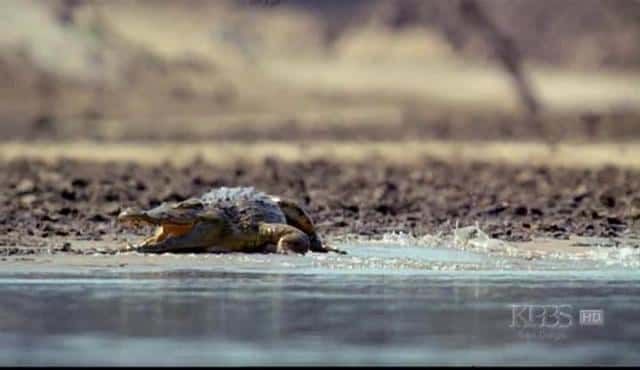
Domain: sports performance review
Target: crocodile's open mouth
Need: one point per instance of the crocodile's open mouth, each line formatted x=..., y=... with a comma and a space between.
x=163, y=230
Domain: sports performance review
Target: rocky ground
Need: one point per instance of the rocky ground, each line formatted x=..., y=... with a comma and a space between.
x=77, y=200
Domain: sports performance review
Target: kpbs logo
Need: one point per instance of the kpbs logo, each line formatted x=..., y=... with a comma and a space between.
x=550, y=321
x=551, y=316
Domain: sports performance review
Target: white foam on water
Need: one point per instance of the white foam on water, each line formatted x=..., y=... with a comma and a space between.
x=471, y=238
x=623, y=253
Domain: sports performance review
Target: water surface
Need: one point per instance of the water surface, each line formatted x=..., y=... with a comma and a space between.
x=382, y=304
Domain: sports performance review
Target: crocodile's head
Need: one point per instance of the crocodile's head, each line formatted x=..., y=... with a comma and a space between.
x=188, y=222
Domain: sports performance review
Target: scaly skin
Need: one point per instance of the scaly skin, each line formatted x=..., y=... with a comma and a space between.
x=228, y=220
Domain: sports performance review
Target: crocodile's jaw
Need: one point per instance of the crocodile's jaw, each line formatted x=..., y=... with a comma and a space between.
x=165, y=232
x=164, y=229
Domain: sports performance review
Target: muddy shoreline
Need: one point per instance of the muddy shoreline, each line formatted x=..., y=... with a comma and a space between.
x=43, y=203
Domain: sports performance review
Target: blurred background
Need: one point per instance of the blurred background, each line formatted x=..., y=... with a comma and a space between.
x=297, y=70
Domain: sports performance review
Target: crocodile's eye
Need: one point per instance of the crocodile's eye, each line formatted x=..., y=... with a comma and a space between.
x=189, y=204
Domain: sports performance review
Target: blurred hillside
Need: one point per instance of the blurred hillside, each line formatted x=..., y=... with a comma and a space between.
x=306, y=69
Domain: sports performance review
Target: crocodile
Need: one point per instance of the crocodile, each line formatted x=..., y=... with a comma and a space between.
x=238, y=219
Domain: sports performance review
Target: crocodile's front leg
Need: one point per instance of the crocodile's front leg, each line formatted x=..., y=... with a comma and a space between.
x=298, y=218
x=285, y=238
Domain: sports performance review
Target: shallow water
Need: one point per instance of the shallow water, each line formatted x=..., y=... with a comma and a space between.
x=381, y=304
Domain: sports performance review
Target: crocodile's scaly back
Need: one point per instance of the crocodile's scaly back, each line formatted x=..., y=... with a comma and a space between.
x=244, y=207
x=225, y=196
